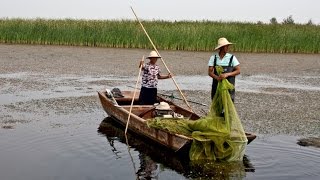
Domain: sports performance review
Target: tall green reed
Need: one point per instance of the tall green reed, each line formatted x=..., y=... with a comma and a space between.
x=181, y=35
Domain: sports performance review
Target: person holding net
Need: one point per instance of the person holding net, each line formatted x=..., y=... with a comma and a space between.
x=229, y=63
x=219, y=135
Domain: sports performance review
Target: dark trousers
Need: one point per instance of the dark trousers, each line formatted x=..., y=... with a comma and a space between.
x=214, y=89
x=148, y=96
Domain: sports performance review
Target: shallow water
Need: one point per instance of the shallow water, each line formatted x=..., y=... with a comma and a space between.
x=255, y=83
x=61, y=86
x=84, y=152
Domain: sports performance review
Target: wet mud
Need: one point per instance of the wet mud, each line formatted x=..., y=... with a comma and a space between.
x=310, y=141
x=276, y=93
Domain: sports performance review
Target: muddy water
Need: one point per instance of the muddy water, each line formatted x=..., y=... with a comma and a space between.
x=53, y=127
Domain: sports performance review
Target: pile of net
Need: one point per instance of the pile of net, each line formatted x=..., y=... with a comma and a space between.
x=217, y=136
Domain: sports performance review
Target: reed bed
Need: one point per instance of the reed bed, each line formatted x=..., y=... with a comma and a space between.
x=181, y=35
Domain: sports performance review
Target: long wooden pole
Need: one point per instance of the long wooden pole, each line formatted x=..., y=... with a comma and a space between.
x=134, y=95
x=131, y=158
x=154, y=47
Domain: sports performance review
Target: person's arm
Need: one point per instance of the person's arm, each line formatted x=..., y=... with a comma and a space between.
x=233, y=73
x=211, y=73
x=141, y=64
x=164, y=76
x=211, y=68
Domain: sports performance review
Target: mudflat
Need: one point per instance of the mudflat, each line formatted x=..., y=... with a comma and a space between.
x=275, y=93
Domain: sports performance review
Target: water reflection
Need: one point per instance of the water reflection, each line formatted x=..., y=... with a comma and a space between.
x=153, y=158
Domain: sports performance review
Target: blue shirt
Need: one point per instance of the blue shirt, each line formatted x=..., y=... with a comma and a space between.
x=225, y=60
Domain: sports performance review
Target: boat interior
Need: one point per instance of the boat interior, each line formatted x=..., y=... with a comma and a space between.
x=147, y=111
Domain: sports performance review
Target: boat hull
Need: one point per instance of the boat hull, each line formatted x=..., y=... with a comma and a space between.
x=139, y=125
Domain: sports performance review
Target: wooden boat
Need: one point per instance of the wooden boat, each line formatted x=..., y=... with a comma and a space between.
x=119, y=110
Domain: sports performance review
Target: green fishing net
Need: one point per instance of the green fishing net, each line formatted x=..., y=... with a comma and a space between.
x=217, y=136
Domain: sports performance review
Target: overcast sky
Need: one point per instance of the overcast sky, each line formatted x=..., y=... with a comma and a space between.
x=229, y=10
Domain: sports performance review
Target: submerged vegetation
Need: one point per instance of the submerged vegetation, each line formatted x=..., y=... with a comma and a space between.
x=181, y=35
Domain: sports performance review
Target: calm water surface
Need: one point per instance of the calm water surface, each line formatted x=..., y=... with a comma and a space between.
x=91, y=151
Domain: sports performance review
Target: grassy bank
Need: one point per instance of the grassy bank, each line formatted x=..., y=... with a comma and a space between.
x=194, y=36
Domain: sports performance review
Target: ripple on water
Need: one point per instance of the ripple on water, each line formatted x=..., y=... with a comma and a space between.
x=281, y=157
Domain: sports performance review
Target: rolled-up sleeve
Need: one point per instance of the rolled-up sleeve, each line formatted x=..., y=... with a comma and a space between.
x=235, y=62
x=211, y=61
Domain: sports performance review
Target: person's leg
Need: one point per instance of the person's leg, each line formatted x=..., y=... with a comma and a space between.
x=213, y=88
x=232, y=94
x=232, y=80
x=154, y=95
x=148, y=96
x=142, y=96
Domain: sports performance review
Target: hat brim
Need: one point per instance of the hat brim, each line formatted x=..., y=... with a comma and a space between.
x=153, y=57
x=218, y=47
x=164, y=109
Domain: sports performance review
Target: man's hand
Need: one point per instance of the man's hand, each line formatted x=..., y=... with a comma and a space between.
x=141, y=63
x=224, y=76
x=218, y=78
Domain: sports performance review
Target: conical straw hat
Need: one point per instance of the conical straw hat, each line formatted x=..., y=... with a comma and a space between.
x=222, y=42
x=163, y=106
x=153, y=54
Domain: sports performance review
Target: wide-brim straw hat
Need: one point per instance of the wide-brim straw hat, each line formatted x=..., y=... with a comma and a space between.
x=153, y=54
x=163, y=106
x=222, y=42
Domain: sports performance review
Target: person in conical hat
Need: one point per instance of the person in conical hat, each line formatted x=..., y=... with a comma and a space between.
x=150, y=74
x=163, y=106
x=229, y=62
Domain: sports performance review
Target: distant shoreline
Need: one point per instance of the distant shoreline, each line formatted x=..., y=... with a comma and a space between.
x=167, y=35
